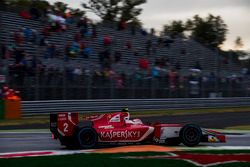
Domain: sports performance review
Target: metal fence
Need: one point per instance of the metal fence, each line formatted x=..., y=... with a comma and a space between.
x=67, y=86
x=104, y=105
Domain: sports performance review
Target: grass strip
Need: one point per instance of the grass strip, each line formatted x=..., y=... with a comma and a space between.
x=105, y=160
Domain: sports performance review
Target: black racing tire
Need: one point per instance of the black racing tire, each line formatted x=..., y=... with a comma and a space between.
x=190, y=135
x=173, y=141
x=87, y=137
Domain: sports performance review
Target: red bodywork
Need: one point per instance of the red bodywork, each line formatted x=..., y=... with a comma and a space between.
x=117, y=128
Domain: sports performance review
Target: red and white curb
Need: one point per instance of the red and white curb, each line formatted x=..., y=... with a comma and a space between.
x=69, y=152
x=204, y=160
x=40, y=153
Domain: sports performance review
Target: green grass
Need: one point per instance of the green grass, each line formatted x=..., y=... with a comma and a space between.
x=242, y=127
x=90, y=160
x=104, y=160
x=45, y=119
x=218, y=151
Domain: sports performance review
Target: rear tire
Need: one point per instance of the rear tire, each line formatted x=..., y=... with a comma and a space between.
x=190, y=135
x=87, y=137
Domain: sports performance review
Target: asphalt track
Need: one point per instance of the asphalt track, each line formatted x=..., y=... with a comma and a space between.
x=38, y=141
x=209, y=120
x=13, y=142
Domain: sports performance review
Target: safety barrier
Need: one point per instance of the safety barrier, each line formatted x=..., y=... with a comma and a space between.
x=30, y=108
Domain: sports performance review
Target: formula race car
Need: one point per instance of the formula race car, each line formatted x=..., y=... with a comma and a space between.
x=117, y=128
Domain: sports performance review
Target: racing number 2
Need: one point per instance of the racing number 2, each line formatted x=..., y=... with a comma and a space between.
x=65, y=127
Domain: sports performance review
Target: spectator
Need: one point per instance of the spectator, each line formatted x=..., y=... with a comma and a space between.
x=74, y=49
x=34, y=36
x=43, y=41
x=87, y=52
x=128, y=45
x=143, y=64
x=156, y=71
x=77, y=36
x=27, y=33
x=19, y=55
x=106, y=41
x=172, y=78
x=25, y=15
x=46, y=31
x=18, y=37
x=77, y=71
x=50, y=52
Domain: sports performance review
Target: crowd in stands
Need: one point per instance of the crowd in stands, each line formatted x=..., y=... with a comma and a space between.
x=162, y=71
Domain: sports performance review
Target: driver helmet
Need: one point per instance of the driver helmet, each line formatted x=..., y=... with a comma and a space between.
x=125, y=110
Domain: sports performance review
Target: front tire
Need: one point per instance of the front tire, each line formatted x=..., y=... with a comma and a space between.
x=87, y=137
x=190, y=135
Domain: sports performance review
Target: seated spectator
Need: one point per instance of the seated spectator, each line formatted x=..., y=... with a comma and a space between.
x=87, y=52
x=74, y=49
x=19, y=55
x=27, y=33
x=25, y=15
x=83, y=22
x=172, y=78
x=106, y=41
x=50, y=52
x=43, y=41
x=34, y=36
x=83, y=32
x=156, y=71
x=18, y=37
x=46, y=31
x=128, y=45
x=143, y=64
x=77, y=36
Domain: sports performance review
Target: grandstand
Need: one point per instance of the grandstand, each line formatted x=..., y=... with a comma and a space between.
x=11, y=22
x=194, y=51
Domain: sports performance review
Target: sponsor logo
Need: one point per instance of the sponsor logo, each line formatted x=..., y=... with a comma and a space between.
x=106, y=127
x=120, y=134
x=115, y=118
x=200, y=159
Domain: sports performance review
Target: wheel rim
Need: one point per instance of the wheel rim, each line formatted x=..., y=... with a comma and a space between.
x=192, y=135
x=87, y=138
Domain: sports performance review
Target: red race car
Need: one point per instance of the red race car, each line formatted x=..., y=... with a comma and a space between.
x=117, y=128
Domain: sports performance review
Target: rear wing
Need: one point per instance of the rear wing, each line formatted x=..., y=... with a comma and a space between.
x=63, y=124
